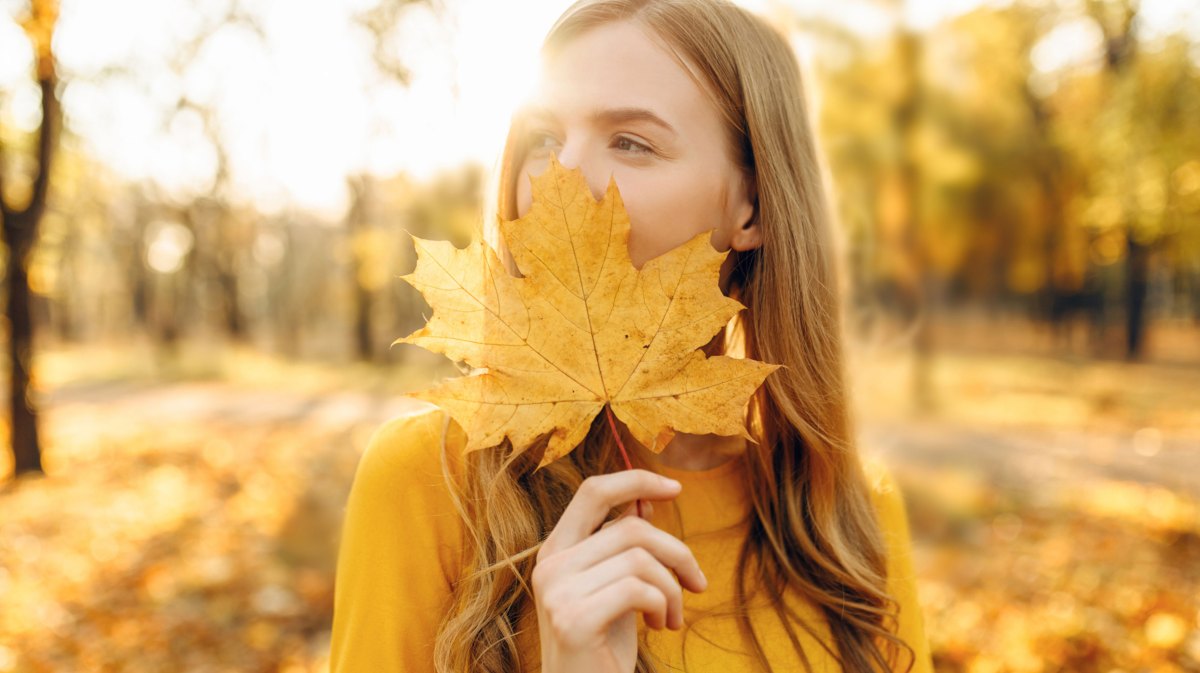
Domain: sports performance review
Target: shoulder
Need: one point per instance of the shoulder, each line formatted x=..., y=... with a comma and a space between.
x=412, y=444
x=887, y=497
x=403, y=460
x=902, y=577
x=880, y=480
x=401, y=486
x=401, y=547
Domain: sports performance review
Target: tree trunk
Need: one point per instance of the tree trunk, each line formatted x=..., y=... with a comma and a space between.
x=228, y=280
x=19, y=227
x=356, y=222
x=1120, y=50
x=1136, y=286
x=362, y=323
x=920, y=283
x=26, y=449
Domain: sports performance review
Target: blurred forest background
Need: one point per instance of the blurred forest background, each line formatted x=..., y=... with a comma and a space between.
x=203, y=216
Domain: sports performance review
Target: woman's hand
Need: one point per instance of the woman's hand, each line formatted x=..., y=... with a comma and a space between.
x=591, y=580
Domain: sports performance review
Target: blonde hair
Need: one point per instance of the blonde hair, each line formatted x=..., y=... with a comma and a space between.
x=812, y=526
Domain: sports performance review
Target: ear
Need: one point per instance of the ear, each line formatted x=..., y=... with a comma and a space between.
x=748, y=234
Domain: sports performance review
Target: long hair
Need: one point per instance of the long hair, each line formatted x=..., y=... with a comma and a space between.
x=812, y=528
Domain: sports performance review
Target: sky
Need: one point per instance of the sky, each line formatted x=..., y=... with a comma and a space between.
x=301, y=106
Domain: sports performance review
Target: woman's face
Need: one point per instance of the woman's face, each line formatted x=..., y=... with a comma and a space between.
x=614, y=103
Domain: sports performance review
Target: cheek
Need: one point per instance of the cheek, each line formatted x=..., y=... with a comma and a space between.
x=524, y=194
x=667, y=213
x=665, y=210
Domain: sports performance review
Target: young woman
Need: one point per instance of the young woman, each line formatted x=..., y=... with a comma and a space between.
x=781, y=554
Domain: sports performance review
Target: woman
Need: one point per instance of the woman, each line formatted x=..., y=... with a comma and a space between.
x=789, y=556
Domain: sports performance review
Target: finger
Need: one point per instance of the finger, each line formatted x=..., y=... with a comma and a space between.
x=628, y=533
x=639, y=563
x=631, y=510
x=597, y=496
x=600, y=609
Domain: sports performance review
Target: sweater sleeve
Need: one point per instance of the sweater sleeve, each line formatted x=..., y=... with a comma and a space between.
x=902, y=578
x=399, y=552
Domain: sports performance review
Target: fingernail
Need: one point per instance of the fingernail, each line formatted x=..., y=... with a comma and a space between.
x=671, y=482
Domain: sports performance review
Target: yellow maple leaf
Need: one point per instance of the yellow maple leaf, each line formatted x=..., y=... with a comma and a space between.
x=580, y=329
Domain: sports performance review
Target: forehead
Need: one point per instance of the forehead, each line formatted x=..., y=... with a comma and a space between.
x=622, y=65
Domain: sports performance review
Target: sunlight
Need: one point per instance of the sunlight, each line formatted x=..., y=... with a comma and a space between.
x=301, y=108
x=498, y=63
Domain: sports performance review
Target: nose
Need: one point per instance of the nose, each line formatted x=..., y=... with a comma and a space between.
x=596, y=171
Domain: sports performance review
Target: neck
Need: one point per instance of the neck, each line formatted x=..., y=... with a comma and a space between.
x=692, y=452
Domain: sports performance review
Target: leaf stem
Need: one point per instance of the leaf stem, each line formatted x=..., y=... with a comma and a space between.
x=612, y=424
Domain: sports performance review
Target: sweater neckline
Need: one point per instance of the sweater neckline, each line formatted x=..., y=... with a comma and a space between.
x=712, y=500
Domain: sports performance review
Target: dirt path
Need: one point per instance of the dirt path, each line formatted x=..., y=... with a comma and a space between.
x=1013, y=458
x=1020, y=459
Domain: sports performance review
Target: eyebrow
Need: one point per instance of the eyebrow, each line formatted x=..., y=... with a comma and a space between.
x=613, y=116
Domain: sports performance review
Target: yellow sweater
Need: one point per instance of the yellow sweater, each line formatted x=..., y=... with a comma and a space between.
x=401, y=545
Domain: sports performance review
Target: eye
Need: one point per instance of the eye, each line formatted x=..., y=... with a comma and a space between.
x=541, y=140
x=627, y=144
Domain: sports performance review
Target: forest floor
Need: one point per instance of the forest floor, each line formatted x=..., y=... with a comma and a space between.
x=190, y=514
